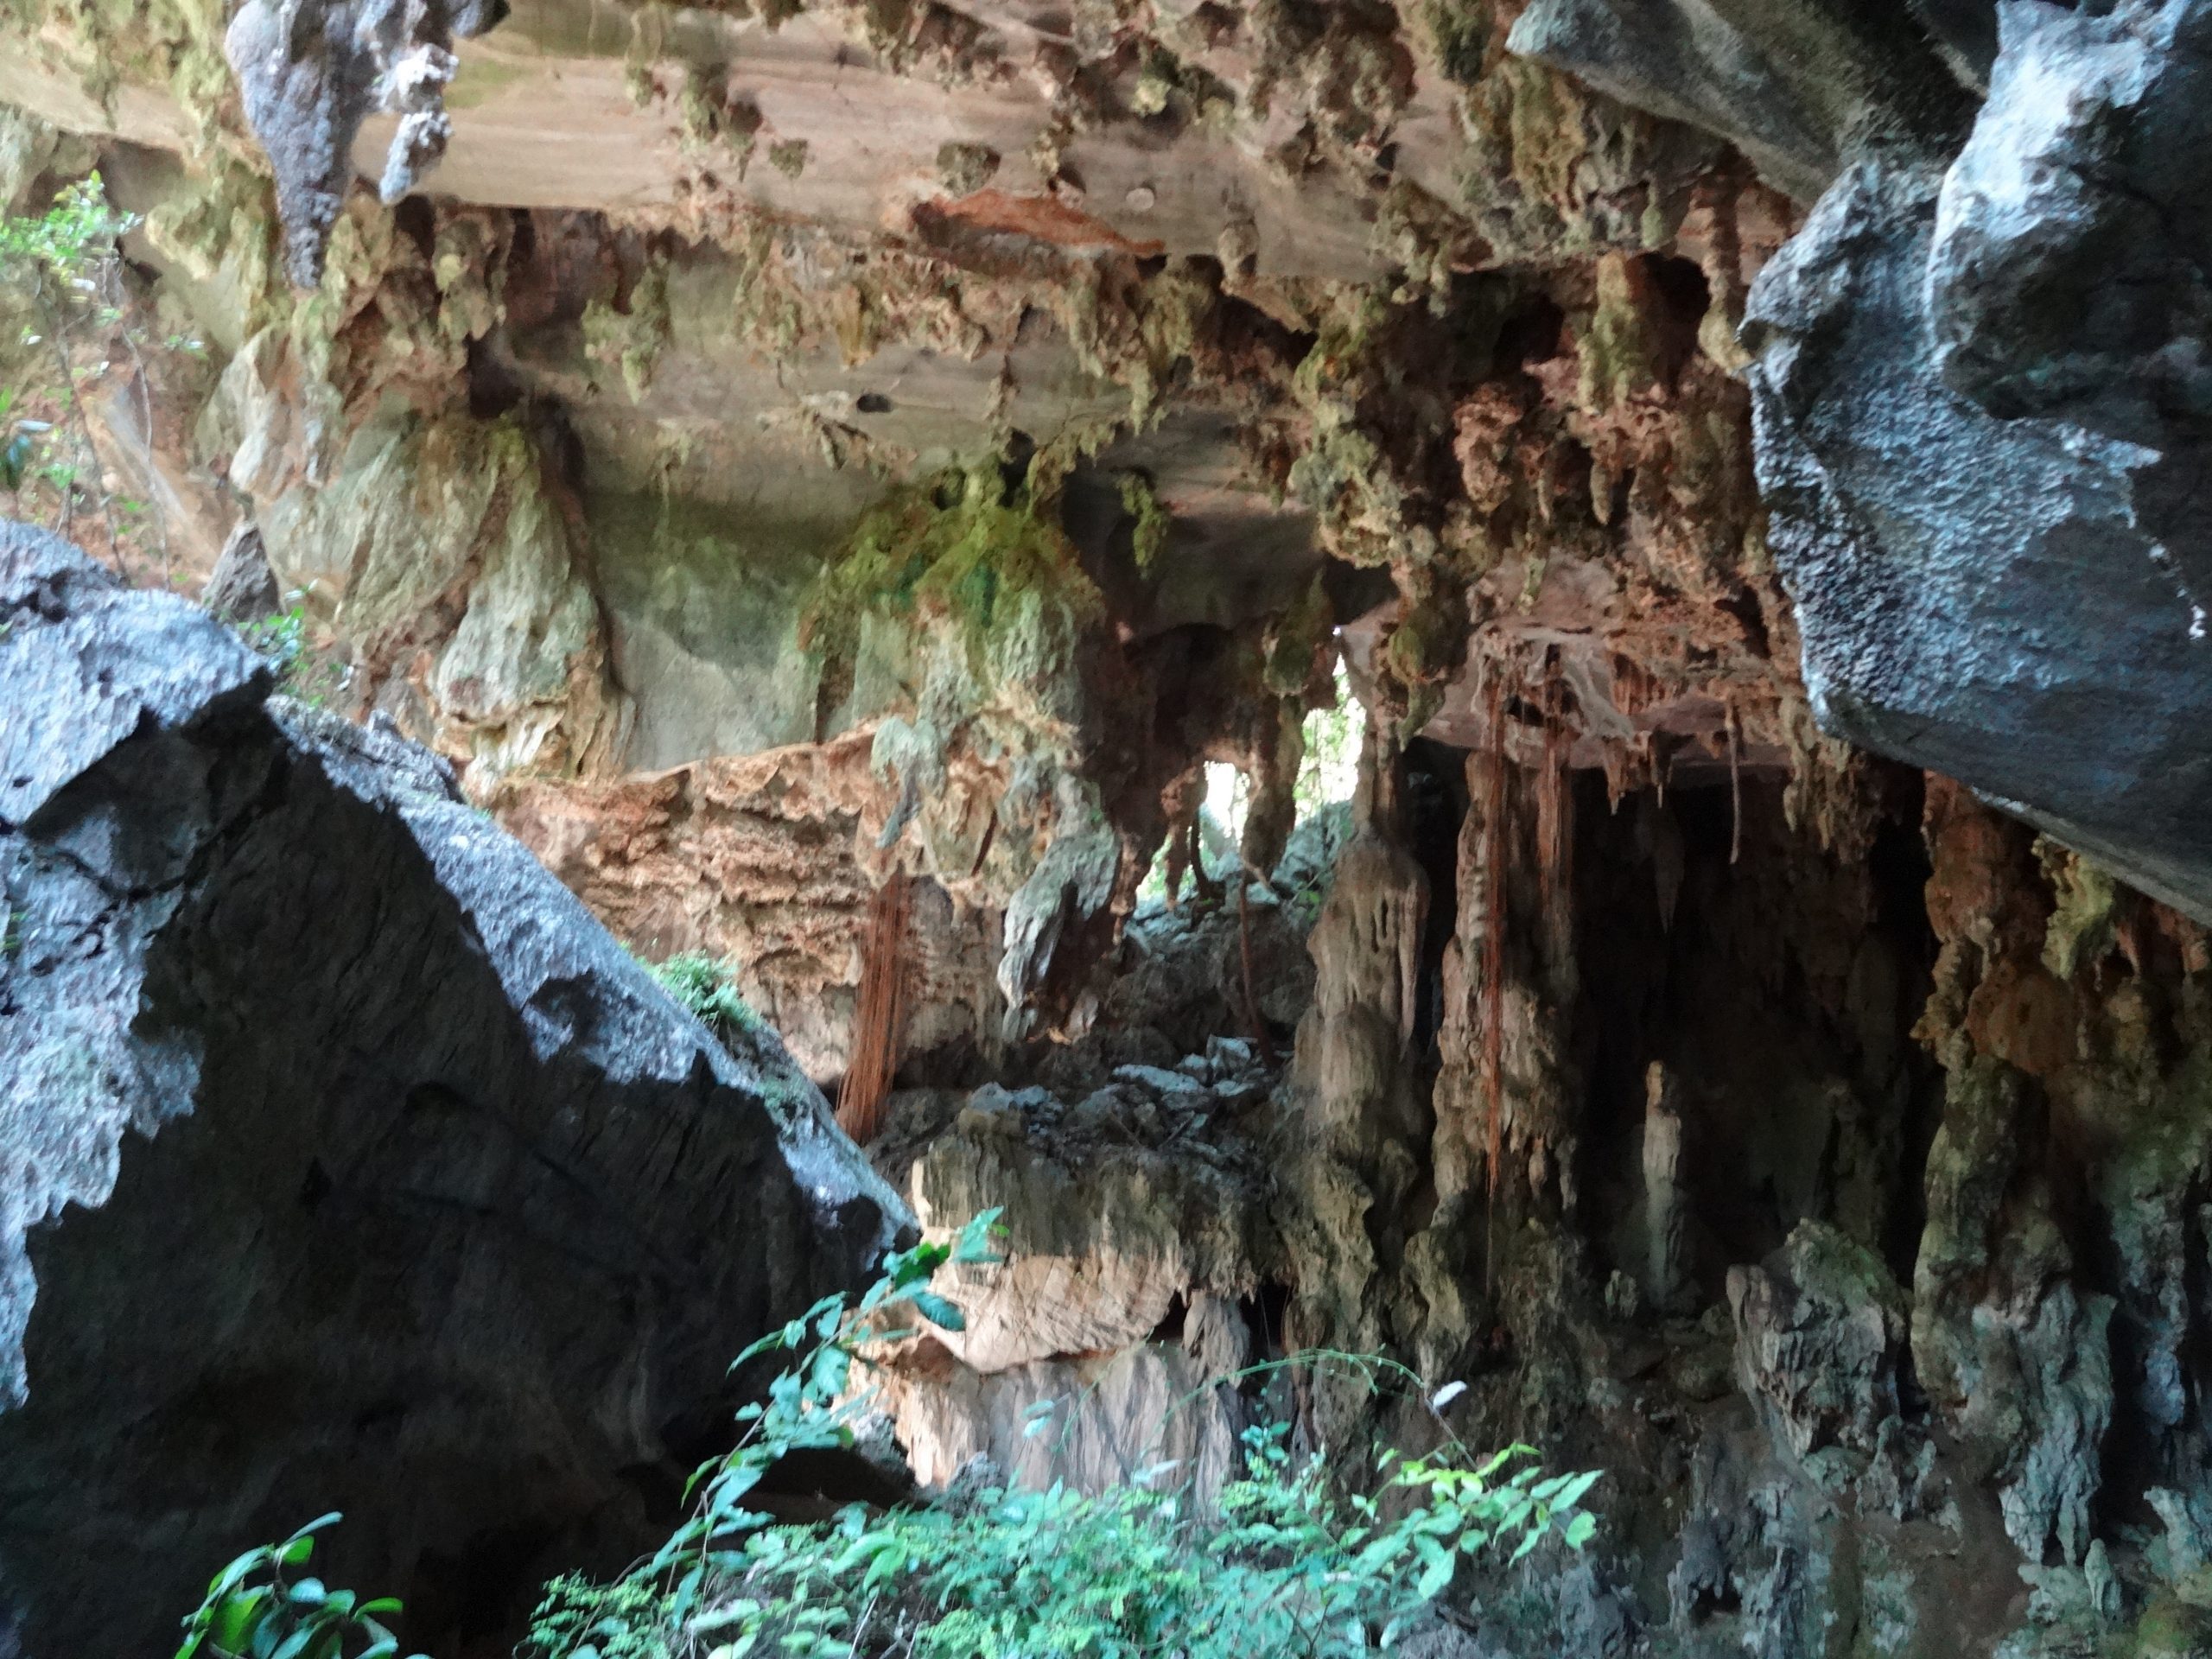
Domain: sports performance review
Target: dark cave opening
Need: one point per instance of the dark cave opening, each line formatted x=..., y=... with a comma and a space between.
x=1778, y=994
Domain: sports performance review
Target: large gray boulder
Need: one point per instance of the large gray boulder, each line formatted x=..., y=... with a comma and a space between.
x=1795, y=84
x=345, y=1161
x=1981, y=420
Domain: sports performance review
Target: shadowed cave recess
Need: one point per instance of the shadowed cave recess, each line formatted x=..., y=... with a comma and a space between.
x=1517, y=684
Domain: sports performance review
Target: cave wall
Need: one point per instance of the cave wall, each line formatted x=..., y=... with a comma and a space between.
x=581, y=479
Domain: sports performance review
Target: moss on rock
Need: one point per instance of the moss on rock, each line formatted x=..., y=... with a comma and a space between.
x=986, y=557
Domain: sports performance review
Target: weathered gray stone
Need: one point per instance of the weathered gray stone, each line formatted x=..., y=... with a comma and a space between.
x=1792, y=83
x=437, y=1211
x=2067, y=273
x=243, y=587
x=2015, y=1359
x=1976, y=595
x=1820, y=1330
x=310, y=72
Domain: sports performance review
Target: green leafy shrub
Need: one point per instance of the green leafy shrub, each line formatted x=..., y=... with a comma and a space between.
x=988, y=557
x=301, y=670
x=257, y=1609
x=1282, y=1562
x=707, y=986
x=60, y=277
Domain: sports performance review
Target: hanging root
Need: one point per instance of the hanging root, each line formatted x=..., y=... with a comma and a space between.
x=875, y=1059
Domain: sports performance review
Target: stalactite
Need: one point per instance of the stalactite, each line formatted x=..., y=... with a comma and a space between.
x=875, y=1022
x=1735, y=784
x=1493, y=796
x=1555, y=829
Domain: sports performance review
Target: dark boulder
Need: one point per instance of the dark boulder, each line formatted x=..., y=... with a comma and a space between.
x=1981, y=420
x=434, y=1209
x=1795, y=84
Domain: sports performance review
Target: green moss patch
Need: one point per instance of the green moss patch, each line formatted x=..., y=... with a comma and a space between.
x=964, y=547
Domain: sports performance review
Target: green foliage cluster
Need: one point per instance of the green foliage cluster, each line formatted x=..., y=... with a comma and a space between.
x=256, y=1609
x=51, y=264
x=1151, y=521
x=79, y=230
x=966, y=545
x=707, y=986
x=631, y=340
x=60, y=277
x=1328, y=770
x=301, y=672
x=1283, y=1562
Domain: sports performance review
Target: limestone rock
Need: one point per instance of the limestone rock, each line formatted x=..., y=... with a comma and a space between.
x=310, y=72
x=1819, y=1333
x=345, y=1161
x=1793, y=82
x=1106, y=1235
x=1093, y=1423
x=767, y=861
x=1979, y=577
x=2015, y=1359
x=242, y=587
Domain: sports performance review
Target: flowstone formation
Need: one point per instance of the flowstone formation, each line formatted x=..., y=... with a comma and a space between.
x=345, y=1161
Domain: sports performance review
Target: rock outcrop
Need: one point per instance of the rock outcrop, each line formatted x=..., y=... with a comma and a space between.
x=309, y=73
x=1980, y=421
x=345, y=1161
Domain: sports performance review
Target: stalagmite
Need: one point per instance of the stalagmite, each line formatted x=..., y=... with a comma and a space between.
x=1666, y=1209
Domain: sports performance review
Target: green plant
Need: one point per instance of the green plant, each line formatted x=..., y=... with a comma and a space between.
x=708, y=986
x=18, y=443
x=256, y=1609
x=1329, y=770
x=1283, y=1562
x=985, y=556
x=64, y=264
x=284, y=640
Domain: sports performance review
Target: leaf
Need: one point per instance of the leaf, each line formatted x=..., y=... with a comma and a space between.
x=318, y=1524
x=234, y=1617
x=381, y=1607
x=15, y=459
x=236, y=1570
x=938, y=1312
x=1577, y=1485
x=308, y=1593
x=1437, y=1567
x=974, y=1246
